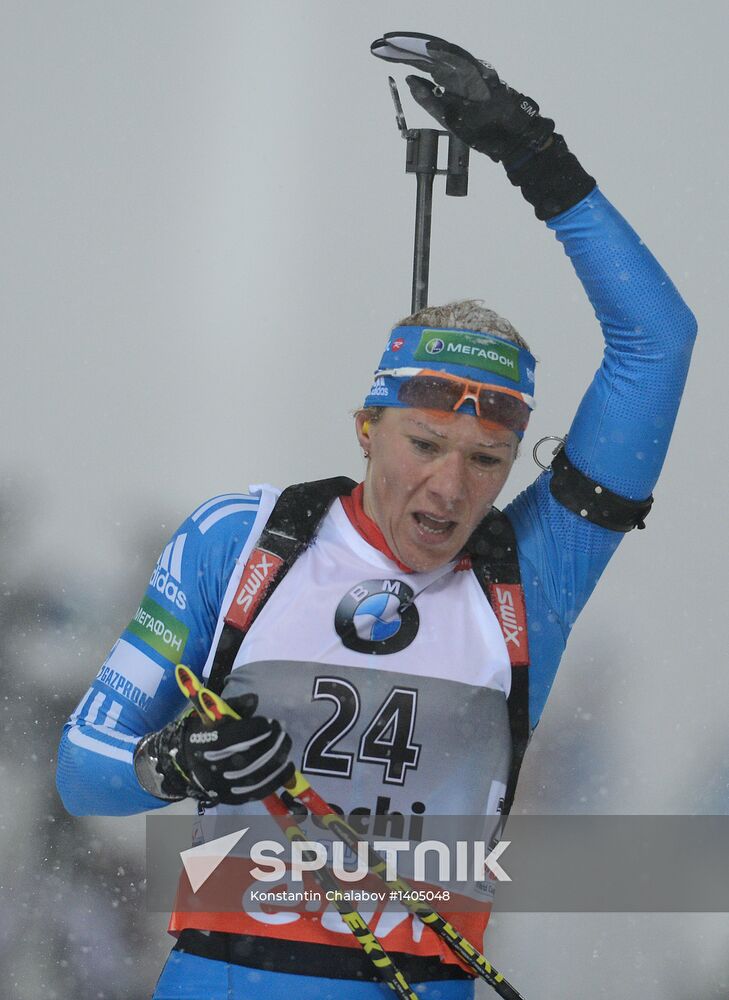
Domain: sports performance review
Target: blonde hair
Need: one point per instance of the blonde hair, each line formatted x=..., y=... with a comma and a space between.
x=466, y=314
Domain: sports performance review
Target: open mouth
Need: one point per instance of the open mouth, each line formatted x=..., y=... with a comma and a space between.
x=434, y=527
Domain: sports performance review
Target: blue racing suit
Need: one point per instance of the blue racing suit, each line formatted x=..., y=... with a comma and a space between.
x=619, y=437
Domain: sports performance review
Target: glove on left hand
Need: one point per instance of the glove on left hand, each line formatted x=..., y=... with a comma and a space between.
x=470, y=100
x=233, y=760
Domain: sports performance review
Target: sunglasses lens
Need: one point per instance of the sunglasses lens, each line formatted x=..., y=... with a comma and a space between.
x=429, y=392
x=502, y=409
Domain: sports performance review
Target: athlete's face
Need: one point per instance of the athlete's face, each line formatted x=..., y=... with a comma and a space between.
x=431, y=478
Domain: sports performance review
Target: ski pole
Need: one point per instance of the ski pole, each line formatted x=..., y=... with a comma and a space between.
x=386, y=969
x=421, y=159
x=212, y=708
x=300, y=789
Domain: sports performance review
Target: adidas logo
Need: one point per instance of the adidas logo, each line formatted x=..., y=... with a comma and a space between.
x=167, y=575
x=209, y=737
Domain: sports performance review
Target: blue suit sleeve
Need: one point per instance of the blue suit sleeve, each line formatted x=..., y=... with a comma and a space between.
x=135, y=691
x=622, y=428
x=620, y=433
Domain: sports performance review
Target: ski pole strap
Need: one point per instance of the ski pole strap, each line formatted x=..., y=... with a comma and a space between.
x=288, y=531
x=596, y=503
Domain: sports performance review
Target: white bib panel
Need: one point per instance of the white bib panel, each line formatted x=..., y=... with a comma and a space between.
x=416, y=712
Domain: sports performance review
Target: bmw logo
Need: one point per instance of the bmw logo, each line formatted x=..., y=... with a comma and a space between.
x=435, y=346
x=377, y=616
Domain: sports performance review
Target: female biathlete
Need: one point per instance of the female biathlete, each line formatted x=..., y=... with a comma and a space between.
x=400, y=654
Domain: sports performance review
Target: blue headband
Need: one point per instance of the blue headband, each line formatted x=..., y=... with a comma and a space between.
x=480, y=357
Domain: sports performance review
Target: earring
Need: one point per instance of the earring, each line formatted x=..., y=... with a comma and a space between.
x=366, y=454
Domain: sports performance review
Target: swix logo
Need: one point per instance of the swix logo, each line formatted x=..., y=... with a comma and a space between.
x=167, y=574
x=509, y=624
x=254, y=577
x=259, y=571
x=507, y=601
x=397, y=344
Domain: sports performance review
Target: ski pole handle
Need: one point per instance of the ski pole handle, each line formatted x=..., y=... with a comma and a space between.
x=208, y=705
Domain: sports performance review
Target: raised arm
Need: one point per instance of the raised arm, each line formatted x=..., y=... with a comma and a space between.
x=620, y=434
x=622, y=428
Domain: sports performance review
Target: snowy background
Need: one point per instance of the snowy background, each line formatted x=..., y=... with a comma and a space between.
x=206, y=234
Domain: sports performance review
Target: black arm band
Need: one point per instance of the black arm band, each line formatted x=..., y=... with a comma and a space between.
x=582, y=495
x=551, y=180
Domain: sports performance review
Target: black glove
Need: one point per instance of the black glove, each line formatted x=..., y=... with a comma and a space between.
x=472, y=103
x=232, y=761
x=470, y=100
